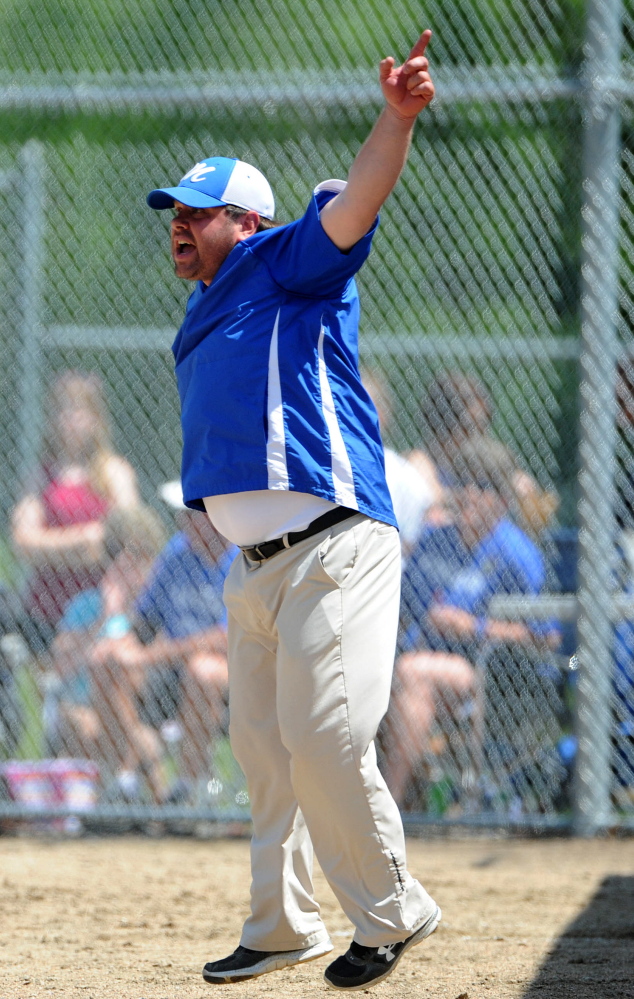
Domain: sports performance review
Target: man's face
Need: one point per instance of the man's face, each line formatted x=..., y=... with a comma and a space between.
x=124, y=579
x=479, y=511
x=201, y=240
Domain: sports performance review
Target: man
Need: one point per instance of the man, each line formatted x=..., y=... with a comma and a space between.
x=413, y=494
x=282, y=448
x=182, y=619
x=448, y=583
x=103, y=705
x=178, y=636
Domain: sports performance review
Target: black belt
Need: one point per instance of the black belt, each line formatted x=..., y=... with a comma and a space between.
x=268, y=548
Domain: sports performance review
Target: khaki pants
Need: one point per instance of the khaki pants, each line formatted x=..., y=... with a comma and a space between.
x=311, y=649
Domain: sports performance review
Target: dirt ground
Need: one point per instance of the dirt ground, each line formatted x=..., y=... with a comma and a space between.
x=136, y=918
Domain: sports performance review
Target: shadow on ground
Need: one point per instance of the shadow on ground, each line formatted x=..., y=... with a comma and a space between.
x=594, y=956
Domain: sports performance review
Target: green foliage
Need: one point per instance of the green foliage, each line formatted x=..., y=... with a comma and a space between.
x=135, y=36
x=32, y=742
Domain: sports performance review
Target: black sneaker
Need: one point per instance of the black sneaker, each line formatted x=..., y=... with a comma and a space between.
x=361, y=967
x=244, y=964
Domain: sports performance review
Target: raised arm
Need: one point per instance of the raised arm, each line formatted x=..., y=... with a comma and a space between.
x=407, y=89
x=69, y=547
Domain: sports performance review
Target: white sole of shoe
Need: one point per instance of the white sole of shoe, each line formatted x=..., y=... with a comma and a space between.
x=421, y=934
x=273, y=962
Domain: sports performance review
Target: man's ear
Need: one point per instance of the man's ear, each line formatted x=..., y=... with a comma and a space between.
x=248, y=224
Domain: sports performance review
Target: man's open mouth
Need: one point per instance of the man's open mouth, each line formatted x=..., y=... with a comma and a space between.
x=182, y=247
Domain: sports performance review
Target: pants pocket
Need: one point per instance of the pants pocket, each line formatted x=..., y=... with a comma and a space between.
x=337, y=555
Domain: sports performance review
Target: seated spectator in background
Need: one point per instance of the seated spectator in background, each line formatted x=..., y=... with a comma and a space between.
x=414, y=490
x=58, y=527
x=101, y=700
x=455, y=411
x=179, y=633
x=449, y=579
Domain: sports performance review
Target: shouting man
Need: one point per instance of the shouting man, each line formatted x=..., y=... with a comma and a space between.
x=282, y=449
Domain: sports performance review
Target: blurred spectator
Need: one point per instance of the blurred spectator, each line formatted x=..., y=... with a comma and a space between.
x=58, y=526
x=101, y=701
x=414, y=490
x=449, y=580
x=179, y=634
x=457, y=410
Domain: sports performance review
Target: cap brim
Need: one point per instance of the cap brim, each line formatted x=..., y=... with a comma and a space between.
x=164, y=197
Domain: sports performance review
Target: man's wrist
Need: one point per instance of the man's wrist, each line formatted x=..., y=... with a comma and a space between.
x=407, y=120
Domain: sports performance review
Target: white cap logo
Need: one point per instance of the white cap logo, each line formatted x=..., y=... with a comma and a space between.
x=198, y=172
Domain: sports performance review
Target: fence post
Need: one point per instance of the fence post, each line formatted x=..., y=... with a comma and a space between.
x=30, y=388
x=599, y=353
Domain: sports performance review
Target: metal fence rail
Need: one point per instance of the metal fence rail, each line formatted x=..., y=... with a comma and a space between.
x=502, y=272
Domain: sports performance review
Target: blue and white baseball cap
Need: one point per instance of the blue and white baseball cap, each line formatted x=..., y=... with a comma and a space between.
x=219, y=181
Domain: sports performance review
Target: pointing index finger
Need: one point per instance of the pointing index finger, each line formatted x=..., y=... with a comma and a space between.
x=421, y=44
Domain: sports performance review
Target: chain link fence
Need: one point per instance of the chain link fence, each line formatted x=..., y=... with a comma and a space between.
x=497, y=307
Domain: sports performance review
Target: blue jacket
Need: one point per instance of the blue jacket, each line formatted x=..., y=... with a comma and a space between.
x=267, y=370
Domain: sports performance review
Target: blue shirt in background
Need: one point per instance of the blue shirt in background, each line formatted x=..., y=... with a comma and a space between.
x=183, y=595
x=82, y=612
x=442, y=569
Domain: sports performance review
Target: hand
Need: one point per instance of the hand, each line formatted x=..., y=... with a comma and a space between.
x=124, y=652
x=114, y=596
x=513, y=632
x=408, y=89
x=93, y=532
x=552, y=640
